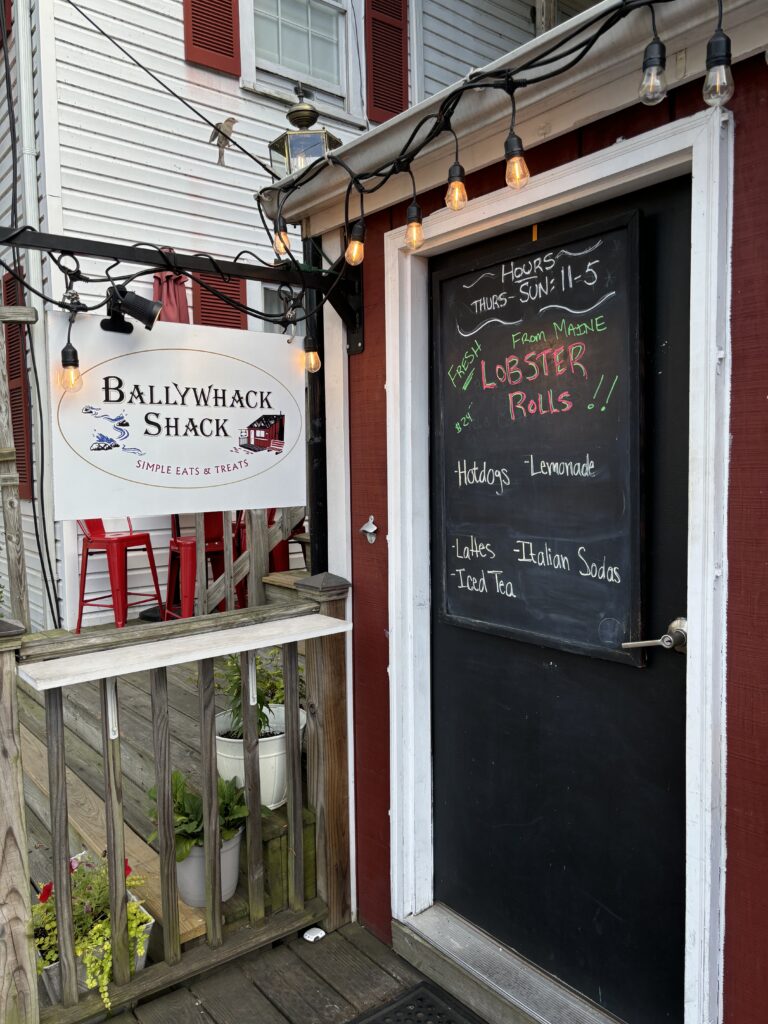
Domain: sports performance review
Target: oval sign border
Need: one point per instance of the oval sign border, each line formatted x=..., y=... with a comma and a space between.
x=183, y=487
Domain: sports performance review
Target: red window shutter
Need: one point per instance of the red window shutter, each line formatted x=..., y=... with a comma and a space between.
x=8, y=16
x=18, y=387
x=212, y=34
x=386, y=44
x=209, y=309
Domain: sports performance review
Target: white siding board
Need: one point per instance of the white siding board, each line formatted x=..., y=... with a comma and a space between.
x=462, y=34
x=480, y=19
x=37, y=600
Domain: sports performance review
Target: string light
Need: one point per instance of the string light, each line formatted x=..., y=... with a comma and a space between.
x=282, y=242
x=312, y=361
x=414, y=232
x=70, y=378
x=653, y=87
x=456, y=195
x=567, y=52
x=355, y=252
x=517, y=174
x=718, y=84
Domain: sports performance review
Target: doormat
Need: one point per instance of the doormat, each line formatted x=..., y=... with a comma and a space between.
x=424, y=1004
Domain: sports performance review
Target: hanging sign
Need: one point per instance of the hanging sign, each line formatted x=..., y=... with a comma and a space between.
x=184, y=418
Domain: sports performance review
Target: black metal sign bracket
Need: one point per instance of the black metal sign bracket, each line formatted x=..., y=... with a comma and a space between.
x=341, y=284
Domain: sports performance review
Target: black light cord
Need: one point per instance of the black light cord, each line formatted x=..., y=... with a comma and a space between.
x=574, y=46
x=264, y=166
x=41, y=542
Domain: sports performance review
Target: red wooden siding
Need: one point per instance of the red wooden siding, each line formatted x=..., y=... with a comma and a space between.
x=208, y=308
x=386, y=46
x=212, y=34
x=368, y=435
x=746, y=914
x=18, y=387
x=746, y=933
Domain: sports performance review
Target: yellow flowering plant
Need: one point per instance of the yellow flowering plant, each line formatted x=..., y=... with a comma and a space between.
x=91, y=923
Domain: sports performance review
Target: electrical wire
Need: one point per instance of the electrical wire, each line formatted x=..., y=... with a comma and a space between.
x=190, y=106
x=565, y=53
x=41, y=542
x=571, y=49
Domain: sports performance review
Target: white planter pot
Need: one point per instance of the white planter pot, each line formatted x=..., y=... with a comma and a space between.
x=52, y=973
x=190, y=872
x=272, y=761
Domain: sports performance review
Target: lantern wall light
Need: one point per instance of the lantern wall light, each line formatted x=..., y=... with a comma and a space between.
x=303, y=143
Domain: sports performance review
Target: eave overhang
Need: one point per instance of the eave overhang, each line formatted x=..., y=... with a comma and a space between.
x=602, y=84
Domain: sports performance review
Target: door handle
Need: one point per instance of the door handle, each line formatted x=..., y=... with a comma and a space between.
x=675, y=639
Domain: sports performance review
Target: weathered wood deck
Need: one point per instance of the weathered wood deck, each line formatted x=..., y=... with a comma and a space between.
x=328, y=982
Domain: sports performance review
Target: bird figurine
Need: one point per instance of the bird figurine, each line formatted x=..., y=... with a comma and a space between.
x=222, y=135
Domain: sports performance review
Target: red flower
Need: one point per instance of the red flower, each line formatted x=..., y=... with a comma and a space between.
x=45, y=892
x=128, y=868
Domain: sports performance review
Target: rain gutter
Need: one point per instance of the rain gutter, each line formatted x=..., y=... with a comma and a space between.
x=605, y=82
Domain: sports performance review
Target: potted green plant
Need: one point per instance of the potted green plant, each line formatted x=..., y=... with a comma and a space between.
x=270, y=693
x=188, y=828
x=89, y=880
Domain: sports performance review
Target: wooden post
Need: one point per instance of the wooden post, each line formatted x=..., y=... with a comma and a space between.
x=169, y=894
x=113, y=803
x=258, y=552
x=546, y=15
x=252, y=782
x=18, y=973
x=57, y=794
x=201, y=563
x=229, y=574
x=327, y=768
x=9, y=479
x=211, y=834
x=293, y=767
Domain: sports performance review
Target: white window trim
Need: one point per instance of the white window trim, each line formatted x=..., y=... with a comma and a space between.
x=703, y=146
x=349, y=92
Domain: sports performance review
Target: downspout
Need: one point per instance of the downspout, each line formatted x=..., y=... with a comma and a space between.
x=33, y=260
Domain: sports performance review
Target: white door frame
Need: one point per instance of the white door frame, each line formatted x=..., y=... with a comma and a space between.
x=702, y=146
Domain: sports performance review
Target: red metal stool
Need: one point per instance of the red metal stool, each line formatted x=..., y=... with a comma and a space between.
x=116, y=546
x=182, y=564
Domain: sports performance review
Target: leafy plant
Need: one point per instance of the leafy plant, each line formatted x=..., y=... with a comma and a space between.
x=91, y=921
x=228, y=683
x=188, y=812
x=270, y=689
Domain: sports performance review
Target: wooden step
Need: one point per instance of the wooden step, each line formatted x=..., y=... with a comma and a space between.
x=87, y=818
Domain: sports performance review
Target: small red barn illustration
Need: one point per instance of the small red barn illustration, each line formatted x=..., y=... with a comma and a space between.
x=266, y=434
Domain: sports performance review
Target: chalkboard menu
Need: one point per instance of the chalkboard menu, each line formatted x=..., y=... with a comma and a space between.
x=536, y=386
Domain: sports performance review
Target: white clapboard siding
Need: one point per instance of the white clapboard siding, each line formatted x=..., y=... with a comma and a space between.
x=135, y=163
x=37, y=600
x=570, y=8
x=459, y=35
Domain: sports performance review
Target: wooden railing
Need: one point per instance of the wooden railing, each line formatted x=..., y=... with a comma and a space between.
x=250, y=566
x=50, y=663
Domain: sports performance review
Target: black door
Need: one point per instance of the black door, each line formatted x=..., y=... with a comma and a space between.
x=559, y=781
